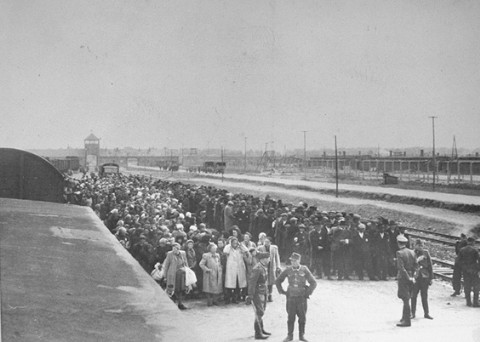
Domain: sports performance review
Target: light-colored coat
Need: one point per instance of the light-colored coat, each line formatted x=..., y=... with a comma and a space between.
x=212, y=273
x=274, y=262
x=235, y=266
x=171, y=264
x=228, y=217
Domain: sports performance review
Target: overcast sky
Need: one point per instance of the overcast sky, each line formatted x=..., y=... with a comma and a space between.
x=173, y=73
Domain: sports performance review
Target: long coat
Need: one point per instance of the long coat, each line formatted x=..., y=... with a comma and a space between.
x=211, y=265
x=235, y=267
x=406, y=265
x=228, y=218
x=274, y=262
x=171, y=264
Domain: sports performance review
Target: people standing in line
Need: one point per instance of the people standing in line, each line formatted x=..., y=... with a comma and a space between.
x=257, y=293
x=457, y=268
x=297, y=294
x=211, y=265
x=174, y=270
x=469, y=260
x=406, y=266
x=273, y=266
x=423, y=278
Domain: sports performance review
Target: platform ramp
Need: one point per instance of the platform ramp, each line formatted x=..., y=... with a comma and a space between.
x=64, y=277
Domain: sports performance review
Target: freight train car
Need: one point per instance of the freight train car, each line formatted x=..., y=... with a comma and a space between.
x=65, y=164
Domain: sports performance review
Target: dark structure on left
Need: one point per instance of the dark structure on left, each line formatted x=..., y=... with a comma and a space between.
x=24, y=175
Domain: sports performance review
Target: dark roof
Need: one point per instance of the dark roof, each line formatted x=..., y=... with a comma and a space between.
x=91, y=137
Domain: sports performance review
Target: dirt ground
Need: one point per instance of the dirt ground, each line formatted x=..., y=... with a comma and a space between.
x=345, y=311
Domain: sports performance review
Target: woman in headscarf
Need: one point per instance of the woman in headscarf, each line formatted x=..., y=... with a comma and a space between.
x=423, y=278
x=174, y=270
x=211, y=265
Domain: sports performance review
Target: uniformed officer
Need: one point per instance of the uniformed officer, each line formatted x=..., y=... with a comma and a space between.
x=406, y=266
x=257, y=293
x=297, y=294
x=469, y=260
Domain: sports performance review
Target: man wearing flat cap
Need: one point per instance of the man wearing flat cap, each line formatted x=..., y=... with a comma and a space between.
x=297, y=294
x=406, y=266
x=257, y=293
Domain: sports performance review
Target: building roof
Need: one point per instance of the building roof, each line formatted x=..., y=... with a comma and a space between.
x=91, y=137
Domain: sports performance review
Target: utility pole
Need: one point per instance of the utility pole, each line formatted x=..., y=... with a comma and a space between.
x=245, y=169
x=305, y=153
x=222, y=161
x=336, y=169
x=434, y=159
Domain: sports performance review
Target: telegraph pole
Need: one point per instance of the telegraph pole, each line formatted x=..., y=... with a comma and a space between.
x=434, y=157
x=336, y=169
x=305, y=153
x=245, y=169
x=222, y=162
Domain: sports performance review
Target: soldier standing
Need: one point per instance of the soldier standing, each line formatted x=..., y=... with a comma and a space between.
x=406, y=265
x=469, y=260
x=297, y=294
x=257, y=293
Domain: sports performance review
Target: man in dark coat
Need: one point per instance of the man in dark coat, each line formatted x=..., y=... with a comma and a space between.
x=320, y=244
x=257, y=293
x=362, y=252
x=469, y=260
x=142, y=251
x=340, y=243
x=243, y=217
x=406, y=266
x=381, y=253
x=297, y=294
x=281, y=236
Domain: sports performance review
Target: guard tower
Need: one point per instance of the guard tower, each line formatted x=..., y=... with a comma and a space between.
x=92, y=152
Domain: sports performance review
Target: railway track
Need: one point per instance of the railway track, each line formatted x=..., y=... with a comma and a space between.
x=444, y=239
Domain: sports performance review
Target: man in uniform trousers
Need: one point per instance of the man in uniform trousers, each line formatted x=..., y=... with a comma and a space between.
x=297, y=294
x=469, y=260
x=406, y=266
x=257, y=293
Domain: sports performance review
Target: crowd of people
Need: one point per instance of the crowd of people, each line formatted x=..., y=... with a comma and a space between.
x=217, y=234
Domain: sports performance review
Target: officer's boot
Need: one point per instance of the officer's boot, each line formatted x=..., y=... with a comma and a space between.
x=301, y=332
x=476, y=304
x=209, y=300
x=468, y=297
x=263, y=330
x=258, y=332
x=290, y=332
